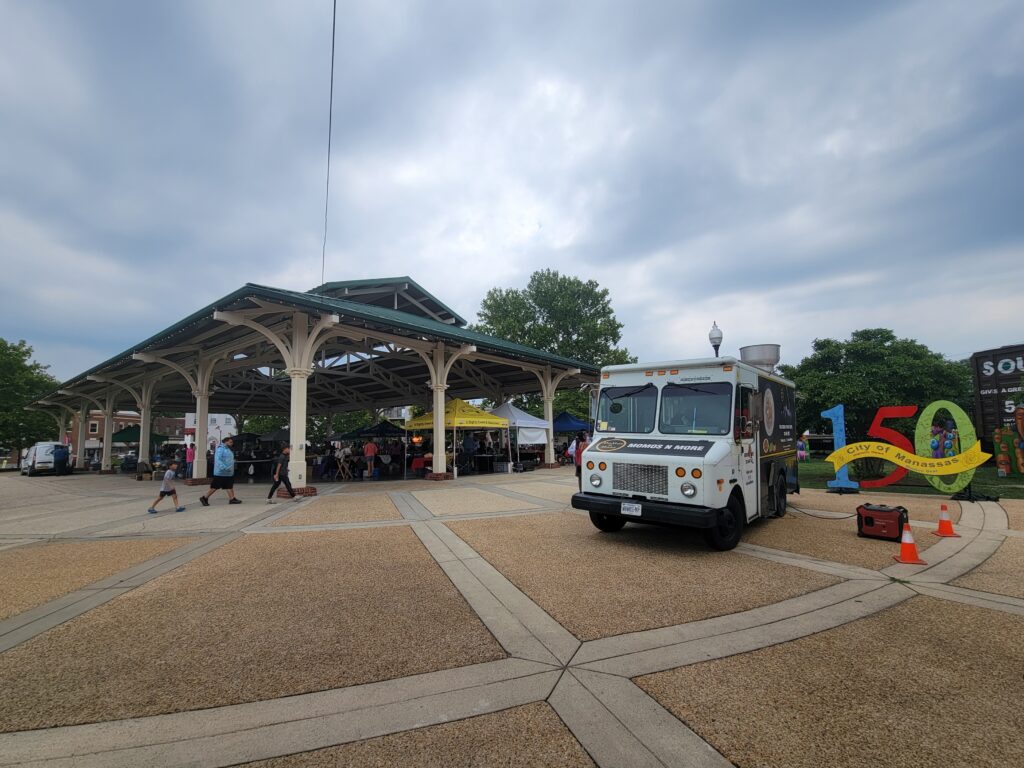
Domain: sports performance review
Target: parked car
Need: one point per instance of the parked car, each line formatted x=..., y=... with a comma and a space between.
x=130, y=463
x=38, y=459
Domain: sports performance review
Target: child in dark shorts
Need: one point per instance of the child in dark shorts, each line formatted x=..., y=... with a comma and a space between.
x=167, y=489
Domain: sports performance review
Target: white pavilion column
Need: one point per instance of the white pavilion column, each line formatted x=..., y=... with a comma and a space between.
x=108, y=434
x=439, y=386
x=297, y=425
x=145, y=427
x=548, y=386
x=82, y=436
x=549, y=417
x=202, y=422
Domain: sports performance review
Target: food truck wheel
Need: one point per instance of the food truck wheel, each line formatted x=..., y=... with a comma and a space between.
x=780, y=496
x=728, y=528
x=607, y=523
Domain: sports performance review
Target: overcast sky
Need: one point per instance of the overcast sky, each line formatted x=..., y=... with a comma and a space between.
x=790, y=170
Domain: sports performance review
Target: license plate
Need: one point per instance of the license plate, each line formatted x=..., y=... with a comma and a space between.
x=630, y=509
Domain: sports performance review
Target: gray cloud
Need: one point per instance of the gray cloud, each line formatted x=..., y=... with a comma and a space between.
x=790, y=170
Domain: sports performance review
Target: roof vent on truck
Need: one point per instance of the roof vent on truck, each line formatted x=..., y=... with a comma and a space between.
x=763, y=356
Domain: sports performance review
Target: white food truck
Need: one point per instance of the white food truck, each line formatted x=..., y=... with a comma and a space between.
x=707, y=444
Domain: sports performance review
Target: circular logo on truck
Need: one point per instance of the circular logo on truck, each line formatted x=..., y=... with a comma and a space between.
x=769, y=412
x=610, y=444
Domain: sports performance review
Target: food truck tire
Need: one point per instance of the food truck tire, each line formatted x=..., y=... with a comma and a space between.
x=780, y=496
x=726, y=533
x=607, y=523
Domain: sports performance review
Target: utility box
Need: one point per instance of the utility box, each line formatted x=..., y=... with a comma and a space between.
x=877, y=521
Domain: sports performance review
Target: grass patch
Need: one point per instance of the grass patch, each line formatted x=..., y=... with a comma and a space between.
x=816, y=473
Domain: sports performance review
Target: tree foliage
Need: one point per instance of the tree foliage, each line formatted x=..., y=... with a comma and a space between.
x=560, y=314
x=872, y=369
x=22, y=381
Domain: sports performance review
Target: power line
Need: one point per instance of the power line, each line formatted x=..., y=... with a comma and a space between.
x=330, y=130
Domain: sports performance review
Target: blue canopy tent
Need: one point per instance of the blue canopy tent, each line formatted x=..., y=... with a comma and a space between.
x=566, y=422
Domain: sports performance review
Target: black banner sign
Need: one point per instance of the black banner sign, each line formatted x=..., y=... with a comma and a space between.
x=698, y=448
x=778, y=418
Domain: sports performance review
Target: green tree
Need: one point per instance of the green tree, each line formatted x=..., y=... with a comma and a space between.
x=560, y=314
x=23, y=380
x=872, y=369
x=261, y=425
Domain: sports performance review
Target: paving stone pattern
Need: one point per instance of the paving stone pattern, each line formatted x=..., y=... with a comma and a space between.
x=514, y=636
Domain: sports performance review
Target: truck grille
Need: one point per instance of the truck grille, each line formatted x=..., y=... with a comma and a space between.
x=640, y=478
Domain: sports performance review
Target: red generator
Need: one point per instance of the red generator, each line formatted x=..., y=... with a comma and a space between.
x=877, y=521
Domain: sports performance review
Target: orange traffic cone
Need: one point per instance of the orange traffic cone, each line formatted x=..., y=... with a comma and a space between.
x=945, y=524
x=908, y=549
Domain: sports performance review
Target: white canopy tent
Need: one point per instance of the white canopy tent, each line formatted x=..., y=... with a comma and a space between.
x=529, y=429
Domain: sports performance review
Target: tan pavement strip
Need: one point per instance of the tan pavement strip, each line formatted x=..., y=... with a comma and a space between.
x=1002, y=573
x=989, y=600
x=287, y=738
x=463, y=501
x=33, y=575
x=542, y=490
x=343, y=508
x=138, y=733
x=834, y=540
x=924, y=683
x=528, y=735
x=262, y=617
x=597, y=584
x=1014, y=513
x=620, y=645
x=762, y=636
x=604, y=736
x=666, y=737
x=920, y=506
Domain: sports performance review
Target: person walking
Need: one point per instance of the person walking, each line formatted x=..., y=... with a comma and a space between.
x=280, y=475
x=167, y=489
x=581, y=444
x=369, y=453
x=190, y=459
x=223, y=473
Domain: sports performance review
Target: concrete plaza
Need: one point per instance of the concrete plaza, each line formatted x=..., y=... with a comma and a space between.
x=484, y=622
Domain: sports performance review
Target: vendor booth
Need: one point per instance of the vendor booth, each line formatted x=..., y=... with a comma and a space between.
x=525, y=429
x=567, y=423
x=471, y=455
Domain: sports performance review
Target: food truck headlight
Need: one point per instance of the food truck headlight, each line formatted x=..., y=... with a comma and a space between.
x=595, y=480
x=689, y=490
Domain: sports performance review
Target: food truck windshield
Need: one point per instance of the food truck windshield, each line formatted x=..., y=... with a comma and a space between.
x=686, y=409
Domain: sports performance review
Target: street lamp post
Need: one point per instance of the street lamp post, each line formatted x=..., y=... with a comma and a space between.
x=715, y=337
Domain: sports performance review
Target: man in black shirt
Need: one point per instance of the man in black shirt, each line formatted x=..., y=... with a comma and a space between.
x=279, y=472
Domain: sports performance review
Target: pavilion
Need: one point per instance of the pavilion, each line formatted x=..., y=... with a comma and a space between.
x=342, y=346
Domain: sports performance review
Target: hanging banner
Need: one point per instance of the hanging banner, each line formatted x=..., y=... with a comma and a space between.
x=972, y=458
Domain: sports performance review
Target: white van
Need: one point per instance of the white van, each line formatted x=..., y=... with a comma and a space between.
x=708, y=444
x=38, y=459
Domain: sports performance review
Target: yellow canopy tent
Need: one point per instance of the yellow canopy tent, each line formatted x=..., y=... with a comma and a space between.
x=458, y=414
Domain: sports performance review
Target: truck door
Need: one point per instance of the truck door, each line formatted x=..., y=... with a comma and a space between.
x=747, y=464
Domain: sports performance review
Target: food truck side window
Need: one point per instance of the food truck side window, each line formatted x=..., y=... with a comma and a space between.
x=696, y=409
x=627, y=409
